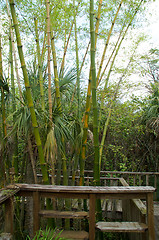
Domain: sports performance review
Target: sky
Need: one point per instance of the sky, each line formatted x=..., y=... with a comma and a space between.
x=153, y=27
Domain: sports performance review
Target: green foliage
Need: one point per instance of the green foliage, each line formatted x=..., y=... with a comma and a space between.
x=48, y=234
x=4, y=84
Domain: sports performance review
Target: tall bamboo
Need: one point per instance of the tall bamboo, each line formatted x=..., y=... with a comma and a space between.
x=2, y=95
x=29, y=96
x=2, y=170
x=116, y=50
x=108, y=38
x=58, y=102
x=119, y=45
x=49, y=59
x=56, y=78
x=88, y=106
x=111, y=106
x=77, y=64
x=15, y=155
x=39, y=65
x=94, y=97
x=111, y=55
x=96, y=172
x=68, y=39
x=14, y=53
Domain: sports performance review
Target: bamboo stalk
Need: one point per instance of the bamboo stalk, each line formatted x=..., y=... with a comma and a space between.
x=111, y=55
x=88, y=107
x=29, y=96
x=48, y=59
x=14, y=53
x=2, y=170
x=68, y=39
x=15, y=155
x=77, y=65
x=107, y=42
x=2, y=95
x=32, y=160
x=39, y=65
x=56, y=78
x=94, y=97
x=111, y=105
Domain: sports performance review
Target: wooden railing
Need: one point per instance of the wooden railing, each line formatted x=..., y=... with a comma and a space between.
x=107, y=177
x=142, y=223
x=132, y=178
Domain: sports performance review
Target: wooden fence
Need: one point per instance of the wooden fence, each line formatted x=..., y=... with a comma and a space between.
x=142, y=225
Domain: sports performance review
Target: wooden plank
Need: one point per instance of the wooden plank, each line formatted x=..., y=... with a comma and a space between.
x=150, y=216
x=74, y=235
x=139, y=180
x=121, y=227
x=118, y=205
x=147, y=180
x=139, y=204
x=85, y=189
x=9, y=216
x=36, y=209
x=109, y=206
x=63, y=195
x=92, y=205
x=8, y=192
x=62, y=214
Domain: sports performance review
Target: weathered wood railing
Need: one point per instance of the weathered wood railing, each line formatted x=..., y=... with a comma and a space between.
x=6, y=198
x=132, y=178
x=91, y=193
x=133, y=210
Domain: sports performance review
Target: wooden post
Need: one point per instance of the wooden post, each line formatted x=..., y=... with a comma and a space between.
x=139, y=180
x=150, y=216
x=36, y=209
x=92, y=205
x=155, y=185
x=134, y=180
x=147, y=180
x=9, y=215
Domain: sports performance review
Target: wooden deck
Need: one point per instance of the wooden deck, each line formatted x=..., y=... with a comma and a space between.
x=37, y=191
x=92, y=193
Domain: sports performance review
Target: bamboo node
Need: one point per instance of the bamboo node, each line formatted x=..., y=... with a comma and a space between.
x=23, y=66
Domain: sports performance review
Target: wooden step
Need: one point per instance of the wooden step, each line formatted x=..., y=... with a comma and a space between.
x=74, y=235
x=121, y=226
x=62, y=214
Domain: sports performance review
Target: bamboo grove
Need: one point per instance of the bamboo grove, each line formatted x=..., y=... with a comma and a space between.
x=56, y=94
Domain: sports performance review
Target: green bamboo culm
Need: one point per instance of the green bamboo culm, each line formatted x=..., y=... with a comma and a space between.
x=56, y=78
x=2, y=169
x=96, y=172
x=29, y=96
x=77, y=64
x=15, y=155
x=2, y=95
x=94, y=97
x=14, y=52
x=47, y=2
x=88, y=107
x=39, y=65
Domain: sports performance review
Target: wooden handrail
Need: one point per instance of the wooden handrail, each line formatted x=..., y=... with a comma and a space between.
x=138, y=203
x=124, y=192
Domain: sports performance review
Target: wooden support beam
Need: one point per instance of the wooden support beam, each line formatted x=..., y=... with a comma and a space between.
x=150, y=216
x=9, y=212
x=36, y=209
x=92, y=204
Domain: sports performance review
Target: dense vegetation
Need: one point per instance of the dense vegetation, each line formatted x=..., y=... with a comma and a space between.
x=58, y=121
x=68, y=101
